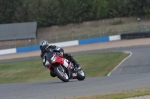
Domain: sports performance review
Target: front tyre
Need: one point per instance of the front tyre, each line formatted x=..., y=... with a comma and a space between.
x=80, y=75
x=61, y=74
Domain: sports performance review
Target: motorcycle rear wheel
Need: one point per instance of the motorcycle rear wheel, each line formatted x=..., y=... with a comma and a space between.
x=61, y=74
x=80, y=75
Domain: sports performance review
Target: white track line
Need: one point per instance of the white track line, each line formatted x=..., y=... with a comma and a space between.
x=121, y=62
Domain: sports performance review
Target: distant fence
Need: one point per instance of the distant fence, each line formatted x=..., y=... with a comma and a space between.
x=85, y=30
x=136, y=35
x=17, y=31
x=78, y=42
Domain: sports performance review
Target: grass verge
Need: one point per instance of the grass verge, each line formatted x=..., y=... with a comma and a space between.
x=118, y=95
x=94, y=65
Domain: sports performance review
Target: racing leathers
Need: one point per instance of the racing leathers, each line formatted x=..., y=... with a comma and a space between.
x=61, y=51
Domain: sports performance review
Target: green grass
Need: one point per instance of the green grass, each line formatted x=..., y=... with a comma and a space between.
x=30, y=71
x=100, y=64
x=24, y=71
x=118, y=95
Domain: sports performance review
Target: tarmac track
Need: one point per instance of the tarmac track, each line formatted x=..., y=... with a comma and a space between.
x=132, y=73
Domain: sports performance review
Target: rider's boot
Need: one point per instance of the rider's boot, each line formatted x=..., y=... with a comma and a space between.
x=77, y=65
x=70, y=58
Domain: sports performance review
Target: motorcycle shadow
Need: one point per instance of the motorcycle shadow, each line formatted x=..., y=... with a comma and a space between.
x=59, y=82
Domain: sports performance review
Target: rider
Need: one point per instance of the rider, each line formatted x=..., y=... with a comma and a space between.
x=45, y=47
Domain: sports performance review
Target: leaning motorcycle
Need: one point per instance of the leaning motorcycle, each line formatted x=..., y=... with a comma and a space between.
x=63, y=68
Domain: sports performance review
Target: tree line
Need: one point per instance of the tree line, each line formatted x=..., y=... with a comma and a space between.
x=60, y=12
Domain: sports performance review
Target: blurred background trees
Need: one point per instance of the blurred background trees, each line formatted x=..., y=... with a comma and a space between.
x=60, y=12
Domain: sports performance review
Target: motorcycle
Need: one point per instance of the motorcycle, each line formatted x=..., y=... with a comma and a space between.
x=63, y=68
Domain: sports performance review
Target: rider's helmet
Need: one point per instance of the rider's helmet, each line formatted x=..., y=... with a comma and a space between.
x=43, y=45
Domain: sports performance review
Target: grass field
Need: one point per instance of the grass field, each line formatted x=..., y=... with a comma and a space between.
x=31, y=71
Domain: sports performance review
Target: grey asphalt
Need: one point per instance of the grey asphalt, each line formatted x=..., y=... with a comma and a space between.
x=138, y=63
x=131, y=74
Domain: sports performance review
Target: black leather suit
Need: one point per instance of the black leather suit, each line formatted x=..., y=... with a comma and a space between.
x=58, y=49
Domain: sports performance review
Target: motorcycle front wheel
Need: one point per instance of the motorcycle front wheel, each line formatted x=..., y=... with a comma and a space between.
x=61, y=74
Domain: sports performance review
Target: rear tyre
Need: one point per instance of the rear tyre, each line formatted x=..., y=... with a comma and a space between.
x=80, y=75
x=61, y=74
